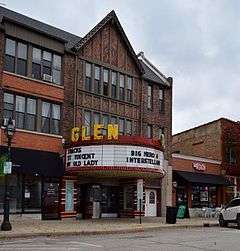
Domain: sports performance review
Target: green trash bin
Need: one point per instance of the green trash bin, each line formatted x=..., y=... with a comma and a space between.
x=181, y=212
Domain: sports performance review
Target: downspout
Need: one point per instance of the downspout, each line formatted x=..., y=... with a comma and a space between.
x=75, y=91
x=141, y=109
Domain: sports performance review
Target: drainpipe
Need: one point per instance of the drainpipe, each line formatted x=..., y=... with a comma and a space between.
x=75, y=90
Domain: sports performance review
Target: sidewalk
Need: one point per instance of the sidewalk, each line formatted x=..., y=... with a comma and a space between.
x=27, y=227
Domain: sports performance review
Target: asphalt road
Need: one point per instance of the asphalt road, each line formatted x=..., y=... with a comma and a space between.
x=179, y=239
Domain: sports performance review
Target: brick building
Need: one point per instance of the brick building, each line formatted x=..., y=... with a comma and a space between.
x=113, y=85
x=206, y=163
x=52, y=81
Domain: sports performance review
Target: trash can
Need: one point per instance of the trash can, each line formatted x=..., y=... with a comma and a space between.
x=171, y=215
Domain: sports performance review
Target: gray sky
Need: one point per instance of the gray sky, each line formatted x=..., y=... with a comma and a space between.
x=195, y=42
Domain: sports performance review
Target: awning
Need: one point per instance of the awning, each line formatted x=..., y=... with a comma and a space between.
x=203, y=178
x=28, y=161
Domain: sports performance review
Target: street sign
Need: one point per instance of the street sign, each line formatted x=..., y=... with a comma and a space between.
x=7, y=167
x=140, y=189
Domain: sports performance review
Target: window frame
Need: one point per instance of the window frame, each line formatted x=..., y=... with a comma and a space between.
x=129, y=89
x=149, y=126
x=149, y=97
x=161, y=100
x=16, y=58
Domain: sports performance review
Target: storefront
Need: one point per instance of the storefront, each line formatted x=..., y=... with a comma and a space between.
x=104, y=178
x=198, y=182
x=34, y=182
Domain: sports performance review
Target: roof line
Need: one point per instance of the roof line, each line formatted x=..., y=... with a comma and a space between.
x=153, y=68
x=110, y=16
x=205, y=124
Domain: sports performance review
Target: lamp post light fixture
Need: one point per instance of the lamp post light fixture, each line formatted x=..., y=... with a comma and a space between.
x=9, y=130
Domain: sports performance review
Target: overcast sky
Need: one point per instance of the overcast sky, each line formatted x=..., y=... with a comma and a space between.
x=195, y=42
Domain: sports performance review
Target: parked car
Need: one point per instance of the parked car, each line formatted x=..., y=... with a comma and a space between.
x=230, y=213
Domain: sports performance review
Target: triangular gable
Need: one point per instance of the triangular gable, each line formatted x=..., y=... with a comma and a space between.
x=111, y=17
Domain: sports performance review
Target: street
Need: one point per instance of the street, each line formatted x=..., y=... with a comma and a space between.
x=213, y=238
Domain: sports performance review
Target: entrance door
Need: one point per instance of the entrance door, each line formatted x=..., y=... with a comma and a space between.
x=150, y=202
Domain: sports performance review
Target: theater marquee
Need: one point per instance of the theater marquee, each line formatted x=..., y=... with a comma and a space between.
x=114, y=155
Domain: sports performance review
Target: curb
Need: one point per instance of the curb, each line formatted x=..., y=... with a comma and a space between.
x=103, y=232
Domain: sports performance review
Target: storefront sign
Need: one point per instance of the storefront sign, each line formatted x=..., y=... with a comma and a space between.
x=7, y=167
x=199, y=166
x=114, y=155
x=77, y=133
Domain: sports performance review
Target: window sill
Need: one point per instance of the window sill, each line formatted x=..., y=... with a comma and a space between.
x=34, y=79
x=38, y=133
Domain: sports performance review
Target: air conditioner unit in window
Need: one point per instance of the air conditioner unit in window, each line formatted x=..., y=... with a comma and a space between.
x=47, y=77
x=5, y=122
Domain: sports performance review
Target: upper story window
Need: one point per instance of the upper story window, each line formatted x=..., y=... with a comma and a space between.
x=16, y=57
x=50, y=118
x=88, y=80
x=114, y=120
x=128, y=127
x=105, y=82
x=105, y=121
x=87, y=122
x=97, y=80
x=96, y=118
x=22, y=110
x=129, y=89
x=114, y=85
x=46, y=65
x=122, y=87
x=160, y=132
x=149, y=131
x=161, y=100
x=121, y=126
x=231, y=155
x=149, y=96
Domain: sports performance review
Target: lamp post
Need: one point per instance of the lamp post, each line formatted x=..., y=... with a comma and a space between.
x=6, y=225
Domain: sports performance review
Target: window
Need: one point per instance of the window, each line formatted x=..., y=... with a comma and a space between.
x=105, y=82
x=36, y=63
x=87, y=122
x=46, y=115
x=149, y=131
x=45, y=64
x=121, y=126
x=114, y=120
x=160, y=132
x=8, y=105
x=97, y=83
x=128, y=198
x=16, y=57
x=22, y=59
x=88, y=80
x=122, y=88
x=129, y=89
x=22, y=109
x=149, y=97
x=232, y=158
x=96, y=118
x=50, y=118
x=114, y=85
x=105, y=121
x=128, y=127
x=56, y=72
x=31, y=114
x=161, y=100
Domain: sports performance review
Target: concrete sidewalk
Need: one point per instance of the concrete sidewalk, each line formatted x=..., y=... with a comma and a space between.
x=23, y=227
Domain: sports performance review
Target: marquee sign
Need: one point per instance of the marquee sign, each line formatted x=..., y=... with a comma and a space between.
x=114, y=155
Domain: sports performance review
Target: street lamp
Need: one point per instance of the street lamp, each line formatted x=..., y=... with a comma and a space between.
x=9, y=130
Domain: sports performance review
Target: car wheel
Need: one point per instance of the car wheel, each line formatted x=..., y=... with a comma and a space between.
x=222, y=222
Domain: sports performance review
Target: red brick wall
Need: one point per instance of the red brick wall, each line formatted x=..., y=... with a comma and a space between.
x=203, y=141
x=187, y=165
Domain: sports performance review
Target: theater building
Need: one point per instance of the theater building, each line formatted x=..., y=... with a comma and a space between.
x=206, y=164
x=113, y=85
